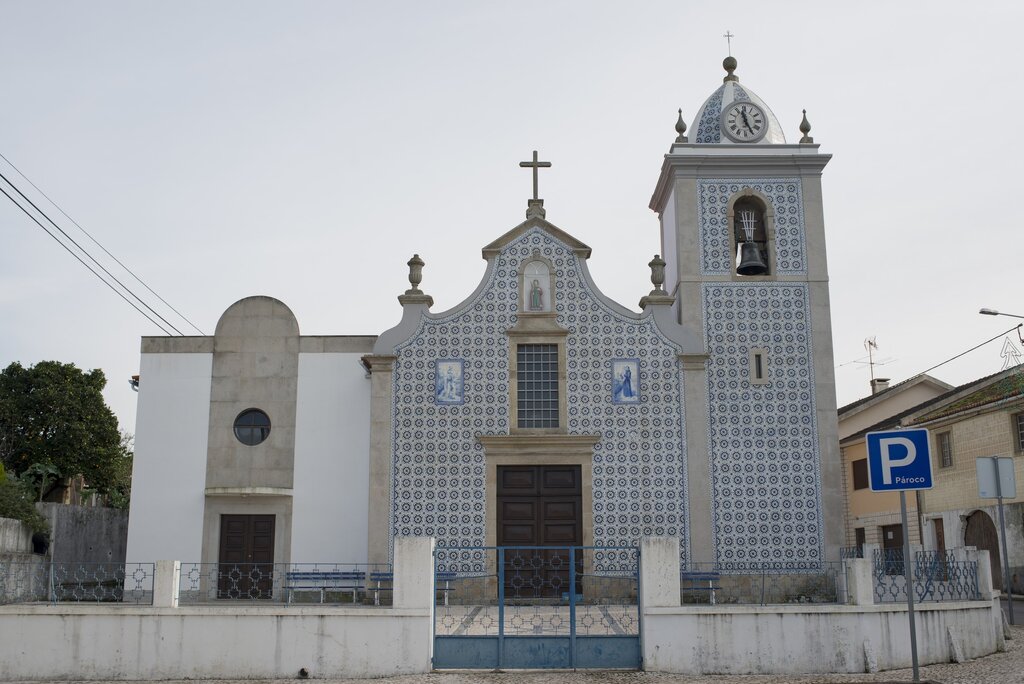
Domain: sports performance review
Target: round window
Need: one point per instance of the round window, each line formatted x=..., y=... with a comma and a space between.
x=252, y=426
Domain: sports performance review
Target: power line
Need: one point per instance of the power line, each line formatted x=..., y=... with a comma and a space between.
x=1016, y=327
x=182, y=316
x=72, y=253
x=86, y=252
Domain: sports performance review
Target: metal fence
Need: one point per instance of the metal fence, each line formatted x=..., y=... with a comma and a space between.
x=22, y=582
x=938, y=576
x=286, y=583
x=762, y=585
x=846, y=552
x=525, y=591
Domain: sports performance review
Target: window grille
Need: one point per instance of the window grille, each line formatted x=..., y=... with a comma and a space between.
x=537, y=385
x=1018, y=421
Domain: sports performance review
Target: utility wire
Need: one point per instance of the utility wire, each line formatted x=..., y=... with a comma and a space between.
x=182, y=316
x=1016, y=327
x=72, y=253
x=91, y=257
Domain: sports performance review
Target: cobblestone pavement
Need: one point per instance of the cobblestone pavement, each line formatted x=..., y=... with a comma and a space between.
x=1000, y=668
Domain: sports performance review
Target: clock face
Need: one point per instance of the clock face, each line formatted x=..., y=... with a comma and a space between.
x=744, y=122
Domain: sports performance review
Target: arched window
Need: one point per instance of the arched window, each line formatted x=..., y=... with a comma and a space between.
x=750, y=233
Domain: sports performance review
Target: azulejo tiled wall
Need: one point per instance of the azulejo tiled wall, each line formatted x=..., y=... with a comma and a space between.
x=708, y=125
x=639, y=469
x=762, y=439
x=786, y=200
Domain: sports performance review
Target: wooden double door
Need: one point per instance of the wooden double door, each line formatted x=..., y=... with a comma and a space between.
x=539, y=506
x=246, y=566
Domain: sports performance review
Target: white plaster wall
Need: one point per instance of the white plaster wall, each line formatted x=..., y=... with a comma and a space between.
x=169, y=471
x=332, y=451
x=84, y=642
x=796, y=640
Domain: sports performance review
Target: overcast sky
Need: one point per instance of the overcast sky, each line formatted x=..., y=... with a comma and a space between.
x=305, y=150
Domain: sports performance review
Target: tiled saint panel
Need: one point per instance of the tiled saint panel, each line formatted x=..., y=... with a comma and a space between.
x=786, y=200
x=639, y=464
x=762, y=439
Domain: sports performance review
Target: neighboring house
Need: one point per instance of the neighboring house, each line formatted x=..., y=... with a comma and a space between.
x=888, y=400
x=984, y=417
x=874, y=517
x=981, y=418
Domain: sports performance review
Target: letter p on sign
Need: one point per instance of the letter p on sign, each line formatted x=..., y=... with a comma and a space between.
x=888, y=462
x=899, y=460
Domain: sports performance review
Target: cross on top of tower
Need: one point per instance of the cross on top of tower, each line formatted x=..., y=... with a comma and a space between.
x=535, y=207
x=728, y=40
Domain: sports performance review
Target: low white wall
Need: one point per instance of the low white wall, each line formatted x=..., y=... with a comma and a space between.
x=141, y=643
x=815, y=639
x=224, y=641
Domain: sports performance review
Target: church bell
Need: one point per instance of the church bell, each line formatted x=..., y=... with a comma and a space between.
x=751, y=261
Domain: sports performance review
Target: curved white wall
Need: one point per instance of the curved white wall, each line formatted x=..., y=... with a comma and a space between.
x=169, y=471
x=332, y=445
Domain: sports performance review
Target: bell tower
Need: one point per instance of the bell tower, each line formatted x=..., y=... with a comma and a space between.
x=742, y=231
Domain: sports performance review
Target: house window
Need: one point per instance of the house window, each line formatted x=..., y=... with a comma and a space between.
x=1018, y=431
x=252, y=427
x=537, y=385
x=945, y=444
x=860, y=474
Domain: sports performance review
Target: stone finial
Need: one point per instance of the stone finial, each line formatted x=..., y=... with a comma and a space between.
x=729, y=64
x=657, y=296
x=657, y=265
x=805, y=128
x=681, y=128
x=415, y=275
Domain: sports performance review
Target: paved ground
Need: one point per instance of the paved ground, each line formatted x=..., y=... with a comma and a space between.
x=1000, y=668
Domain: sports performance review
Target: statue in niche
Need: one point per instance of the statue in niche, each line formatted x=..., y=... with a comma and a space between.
x=536, y=297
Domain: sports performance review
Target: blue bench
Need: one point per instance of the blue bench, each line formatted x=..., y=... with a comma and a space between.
x=324, y=581
x=702, y=581
x=380, y=579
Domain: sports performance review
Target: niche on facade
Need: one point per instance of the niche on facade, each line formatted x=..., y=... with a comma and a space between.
x=536, y=291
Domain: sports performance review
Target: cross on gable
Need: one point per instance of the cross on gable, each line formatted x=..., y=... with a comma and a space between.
x=535, y=165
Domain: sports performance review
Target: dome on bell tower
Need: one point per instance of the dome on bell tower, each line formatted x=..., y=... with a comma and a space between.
x=734, y=114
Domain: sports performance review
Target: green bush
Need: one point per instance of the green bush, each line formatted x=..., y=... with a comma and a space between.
x=17, y=503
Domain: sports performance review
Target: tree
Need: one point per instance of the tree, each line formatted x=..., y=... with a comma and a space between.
x=54, y=424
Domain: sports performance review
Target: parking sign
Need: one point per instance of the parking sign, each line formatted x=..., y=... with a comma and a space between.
x=899, y=460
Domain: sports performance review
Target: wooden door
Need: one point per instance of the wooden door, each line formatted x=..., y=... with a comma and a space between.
x=246, y=566
x=980, y=532
x=539, y=506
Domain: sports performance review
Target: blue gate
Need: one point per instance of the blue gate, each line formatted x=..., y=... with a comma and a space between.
x=532, y=607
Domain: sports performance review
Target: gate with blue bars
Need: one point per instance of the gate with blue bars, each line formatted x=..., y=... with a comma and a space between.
x=534, y=607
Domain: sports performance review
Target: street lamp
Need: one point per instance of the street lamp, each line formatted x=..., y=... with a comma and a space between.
x=992, y=312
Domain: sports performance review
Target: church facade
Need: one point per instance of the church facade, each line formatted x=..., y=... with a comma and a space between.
x=537, y=411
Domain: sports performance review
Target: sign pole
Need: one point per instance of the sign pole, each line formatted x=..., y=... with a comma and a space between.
x=908, y=570
x=1007, y=580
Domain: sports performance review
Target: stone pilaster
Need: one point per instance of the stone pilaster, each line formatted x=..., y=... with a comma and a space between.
x=381, y=368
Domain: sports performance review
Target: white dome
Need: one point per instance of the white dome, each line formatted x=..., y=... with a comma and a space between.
x=708, y=126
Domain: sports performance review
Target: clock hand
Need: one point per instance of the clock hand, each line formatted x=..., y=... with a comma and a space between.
x=743, y=113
